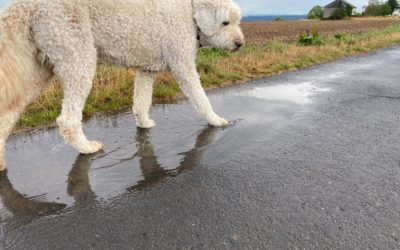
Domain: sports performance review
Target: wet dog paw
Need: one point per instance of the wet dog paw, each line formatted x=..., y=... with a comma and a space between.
x=146, y=124
x=219, y=122
x=92, y=147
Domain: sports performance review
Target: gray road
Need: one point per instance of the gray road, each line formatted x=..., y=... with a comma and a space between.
x=313, y=162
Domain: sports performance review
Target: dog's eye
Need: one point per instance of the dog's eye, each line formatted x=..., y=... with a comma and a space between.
x=226, y=23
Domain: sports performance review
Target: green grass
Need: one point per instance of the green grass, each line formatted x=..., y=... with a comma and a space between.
x=113, y=87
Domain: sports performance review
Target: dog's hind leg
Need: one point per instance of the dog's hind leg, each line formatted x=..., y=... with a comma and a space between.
x=142, y=98
x=10, y=114
x=189, y=81
x=8, y=117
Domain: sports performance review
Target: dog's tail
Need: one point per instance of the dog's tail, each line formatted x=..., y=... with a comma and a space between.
x=17, y=54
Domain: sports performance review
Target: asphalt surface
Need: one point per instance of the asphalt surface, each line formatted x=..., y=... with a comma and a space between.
x=312, y=162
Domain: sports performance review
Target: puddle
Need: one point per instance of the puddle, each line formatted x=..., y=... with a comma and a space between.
x=46, y=176
x=292, y=93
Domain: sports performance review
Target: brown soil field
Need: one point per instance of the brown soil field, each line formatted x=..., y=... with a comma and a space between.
x=289, y=31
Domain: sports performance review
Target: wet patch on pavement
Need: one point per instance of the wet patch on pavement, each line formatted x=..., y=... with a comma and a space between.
x=46, y=176
x=312, y=162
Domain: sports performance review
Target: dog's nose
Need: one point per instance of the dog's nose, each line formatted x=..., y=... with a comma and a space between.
x=238, y=45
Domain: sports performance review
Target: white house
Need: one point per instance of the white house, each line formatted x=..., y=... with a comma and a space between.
x=330, y=9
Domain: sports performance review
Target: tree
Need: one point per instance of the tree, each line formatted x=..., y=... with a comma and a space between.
x=349, y=10
x=378, y=10
x=393, y=5
x=316, y=12
x=386, y=10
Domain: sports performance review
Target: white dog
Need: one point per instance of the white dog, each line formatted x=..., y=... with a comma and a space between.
x=68, y=38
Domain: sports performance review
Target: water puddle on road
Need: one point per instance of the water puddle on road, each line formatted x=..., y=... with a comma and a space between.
x=46, y=176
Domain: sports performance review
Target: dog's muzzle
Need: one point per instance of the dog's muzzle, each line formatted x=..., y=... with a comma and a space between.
x=238, y=45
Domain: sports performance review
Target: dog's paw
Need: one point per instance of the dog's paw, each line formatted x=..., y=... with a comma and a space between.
x=219, y=122
x=146, y=124
x=92, y=147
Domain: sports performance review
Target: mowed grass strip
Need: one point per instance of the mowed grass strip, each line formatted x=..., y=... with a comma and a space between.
x=113, y=87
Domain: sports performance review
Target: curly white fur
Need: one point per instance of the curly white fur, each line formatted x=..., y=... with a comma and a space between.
x=68, y=38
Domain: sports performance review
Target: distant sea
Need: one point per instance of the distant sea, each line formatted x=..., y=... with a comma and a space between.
x=272, y=17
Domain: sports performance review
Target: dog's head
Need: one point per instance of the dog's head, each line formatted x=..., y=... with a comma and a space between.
x=218, y=21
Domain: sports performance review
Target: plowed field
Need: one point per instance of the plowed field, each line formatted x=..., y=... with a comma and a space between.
x=260, y=32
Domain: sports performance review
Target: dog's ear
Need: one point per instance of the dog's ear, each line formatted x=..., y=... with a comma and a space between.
x=209, y=15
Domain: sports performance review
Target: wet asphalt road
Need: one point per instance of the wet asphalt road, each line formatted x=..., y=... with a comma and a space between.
x=313, y=162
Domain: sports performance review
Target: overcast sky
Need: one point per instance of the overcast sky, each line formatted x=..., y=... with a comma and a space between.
x=276, y=7
x=291, y=7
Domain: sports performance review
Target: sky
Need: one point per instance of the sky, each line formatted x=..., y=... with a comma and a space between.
x=289, y=7
x=275, y=7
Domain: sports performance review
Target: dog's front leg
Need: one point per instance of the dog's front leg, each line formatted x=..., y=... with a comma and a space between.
x=70, y=120
x=189, y=81
x=76, y=78
x=142, y=98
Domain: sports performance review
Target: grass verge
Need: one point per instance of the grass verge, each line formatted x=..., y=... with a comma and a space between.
x=113, y=87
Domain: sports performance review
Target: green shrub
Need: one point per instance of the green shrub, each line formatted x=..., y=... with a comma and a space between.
x=309, y=39
x=312, y=15
x=279, y=18
x=340, y=36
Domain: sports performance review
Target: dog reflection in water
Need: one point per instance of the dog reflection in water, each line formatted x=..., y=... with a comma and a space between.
x=23, y=208
x=26, y=209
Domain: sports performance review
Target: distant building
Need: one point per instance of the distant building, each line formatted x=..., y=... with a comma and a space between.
x=330, y=9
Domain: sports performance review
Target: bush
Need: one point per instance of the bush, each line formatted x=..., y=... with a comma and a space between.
x=340, y=36
x=312, y=15
x=309, y=39
x=279, y=18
